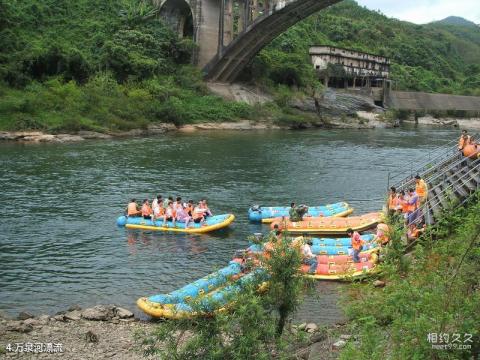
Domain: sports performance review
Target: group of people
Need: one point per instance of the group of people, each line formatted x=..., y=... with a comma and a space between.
x=169, y=209
x=408, y=203
x=468, y=146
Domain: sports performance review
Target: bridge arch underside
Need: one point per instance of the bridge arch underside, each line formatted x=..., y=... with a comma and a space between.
x=178, y=15
x=232, y=59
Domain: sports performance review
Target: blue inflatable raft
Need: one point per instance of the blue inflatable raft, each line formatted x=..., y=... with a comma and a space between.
x=266, y=214
x=210, y=294
x=211, y=224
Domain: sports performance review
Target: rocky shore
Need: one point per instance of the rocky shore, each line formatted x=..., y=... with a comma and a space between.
x=112, y=332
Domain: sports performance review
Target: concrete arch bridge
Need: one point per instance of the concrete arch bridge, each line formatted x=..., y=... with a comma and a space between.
x=230, y=33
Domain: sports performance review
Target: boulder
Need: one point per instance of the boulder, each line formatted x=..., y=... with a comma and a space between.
x=59, y=317
x=311, y=327
x=73, y=315
x=339, y=344
x=24, y=315
x=317, y=337
x=19, y=326
x=32, y=322
x=123, y=313
x=345, y=337
x=99, y=313
x=379, y=283
x=43, y=319
x=302, y=326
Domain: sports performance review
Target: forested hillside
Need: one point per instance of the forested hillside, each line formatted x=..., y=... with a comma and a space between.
x=98, y=65
x=437, y=57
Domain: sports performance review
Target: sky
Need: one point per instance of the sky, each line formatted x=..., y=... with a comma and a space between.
x=424, y=11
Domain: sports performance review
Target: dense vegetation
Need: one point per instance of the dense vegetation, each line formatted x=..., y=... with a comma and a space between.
x=437, y=57
x=432, y=290
x=96, y=65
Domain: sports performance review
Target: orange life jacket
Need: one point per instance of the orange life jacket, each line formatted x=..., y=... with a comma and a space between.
x=146, y=210
x=132, y=209
x=189, y=209
x=393, y=202
x=421, y=188
x=405, y=205
x=357, y=241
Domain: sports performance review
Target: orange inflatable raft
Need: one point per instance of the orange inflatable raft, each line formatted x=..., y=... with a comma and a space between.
x=329, y=226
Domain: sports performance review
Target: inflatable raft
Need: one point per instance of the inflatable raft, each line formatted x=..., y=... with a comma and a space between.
x=329, y=246
x=342, y=267
x=207, y=295
x=331, y=225
x=268, y=214
x=212, y=223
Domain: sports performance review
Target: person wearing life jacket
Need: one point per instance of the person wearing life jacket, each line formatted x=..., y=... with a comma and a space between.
x=132, y=209
x=394, y=203
x=146, y=210
x=156, y=201
x=421, y=189
x=403, y=202
x=189, y=208
x=206, y=210
x=382, y=235
x=198, y=214
x=357, y=244
x=158, y=209
x=177, y=204
x=464, y=140
x=414, y=231
x=182, y=215
x=413, y=206
x=308, y=257
x=170, y=214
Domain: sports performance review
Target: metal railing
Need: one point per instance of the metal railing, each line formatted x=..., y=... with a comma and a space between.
x=453, y=186
x=439, y=154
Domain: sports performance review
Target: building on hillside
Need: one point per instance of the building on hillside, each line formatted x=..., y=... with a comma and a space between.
x=351, y=69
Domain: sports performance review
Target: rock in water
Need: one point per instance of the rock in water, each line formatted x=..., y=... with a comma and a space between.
x=123, y=313
x=24, y=315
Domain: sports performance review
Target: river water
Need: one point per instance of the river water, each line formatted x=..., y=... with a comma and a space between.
x=59, y=244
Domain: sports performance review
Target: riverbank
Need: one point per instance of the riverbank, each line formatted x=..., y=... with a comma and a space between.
x=161, y=128
x=109, y=331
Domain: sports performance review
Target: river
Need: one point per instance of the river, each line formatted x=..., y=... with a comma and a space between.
x=59, y=244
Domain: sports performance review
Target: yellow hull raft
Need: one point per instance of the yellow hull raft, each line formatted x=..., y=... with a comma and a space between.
x=214, y=223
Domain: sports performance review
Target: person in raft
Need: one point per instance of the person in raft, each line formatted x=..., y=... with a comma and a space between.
x=182, y=215
x=296, y=213
x=204, y=207
x=189, y=207
x=158, y=209
x=464, y=140
x=147, y=211
x=421, y=189
x=170, y=214
x=132, y=209
x=357, y=244
x=198, y=214
x=308, y=257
